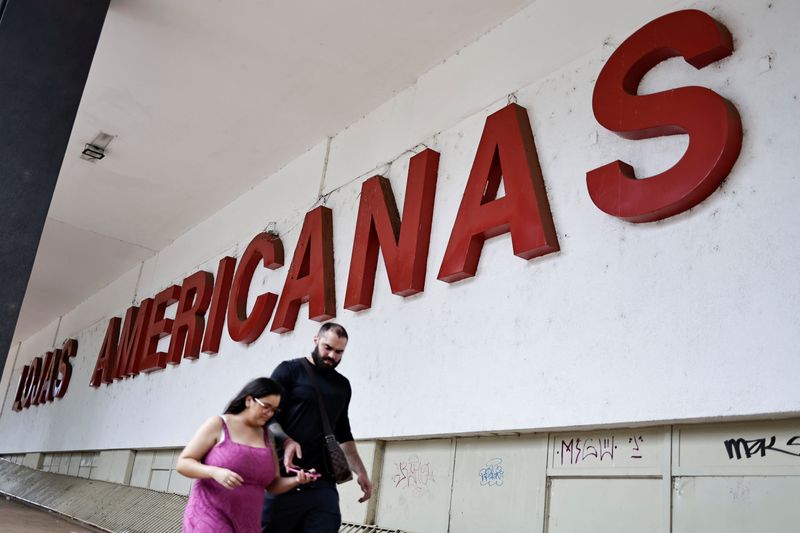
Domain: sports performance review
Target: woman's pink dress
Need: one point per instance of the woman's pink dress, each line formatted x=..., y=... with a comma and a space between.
x=214, y=509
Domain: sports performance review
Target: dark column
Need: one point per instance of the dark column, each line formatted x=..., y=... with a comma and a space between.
x=46, y=48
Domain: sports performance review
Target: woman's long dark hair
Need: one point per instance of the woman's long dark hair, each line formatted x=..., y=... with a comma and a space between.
x=258, y=388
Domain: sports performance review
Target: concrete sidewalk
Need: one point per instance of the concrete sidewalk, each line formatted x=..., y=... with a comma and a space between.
x=17, y=517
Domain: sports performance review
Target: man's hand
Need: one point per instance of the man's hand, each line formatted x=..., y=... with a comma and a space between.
x=291, y=449
x=357, y=466
x=366, y=486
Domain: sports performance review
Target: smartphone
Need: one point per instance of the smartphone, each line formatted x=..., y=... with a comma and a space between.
x=312, y=475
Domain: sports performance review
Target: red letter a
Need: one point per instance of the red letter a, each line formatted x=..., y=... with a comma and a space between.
x=506, y=151
x=310, y=277
x=405, y=249
x=107, y=358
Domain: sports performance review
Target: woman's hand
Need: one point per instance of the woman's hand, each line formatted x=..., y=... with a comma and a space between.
x=227, y=478
x=304, y=477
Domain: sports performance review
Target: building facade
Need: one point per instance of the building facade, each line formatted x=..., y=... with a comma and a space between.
x=545, y=348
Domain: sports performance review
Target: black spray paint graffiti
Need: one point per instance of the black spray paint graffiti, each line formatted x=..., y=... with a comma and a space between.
x=575, y=451
x=413, y=474
x=492, y=475
x=749, y=448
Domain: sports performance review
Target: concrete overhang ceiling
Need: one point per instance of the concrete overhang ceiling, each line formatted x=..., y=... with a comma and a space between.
x=207, y=98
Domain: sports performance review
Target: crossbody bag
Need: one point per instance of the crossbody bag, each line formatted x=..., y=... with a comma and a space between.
x=335, y=460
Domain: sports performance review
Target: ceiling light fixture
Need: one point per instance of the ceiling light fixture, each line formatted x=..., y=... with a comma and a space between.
x=96, y=149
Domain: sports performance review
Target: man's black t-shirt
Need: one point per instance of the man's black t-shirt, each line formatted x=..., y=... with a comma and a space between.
x=300, y=416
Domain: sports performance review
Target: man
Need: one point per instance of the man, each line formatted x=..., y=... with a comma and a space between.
x=315, y=506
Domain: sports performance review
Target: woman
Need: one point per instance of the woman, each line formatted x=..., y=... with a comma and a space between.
x=233, y=461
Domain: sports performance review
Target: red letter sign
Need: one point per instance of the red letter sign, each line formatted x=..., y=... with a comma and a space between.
x=131, y=344
x=69, y=349
x=49, y=375
x=19, y=398
x=45, y=380
x=159, y=327
x=107, y=358
x=32, y=386
x=219, y=303
x=405, y=249
x=265, y=248
x=187, y=330
x=712, y=123
x=506, y=151
x=310, y=277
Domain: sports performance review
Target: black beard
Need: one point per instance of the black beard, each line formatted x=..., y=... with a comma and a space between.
x=315, y=355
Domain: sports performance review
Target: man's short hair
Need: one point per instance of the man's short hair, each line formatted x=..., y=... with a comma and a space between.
x=337, y=329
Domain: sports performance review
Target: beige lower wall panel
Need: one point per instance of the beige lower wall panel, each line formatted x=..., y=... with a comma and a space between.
x=414, y=491
x=63, y=465
x=350, y=492
x=33, y=460
x=74, y=464
x=751, y=448
x=619, y=505
x=165, y=459
x=115, y=466
x=159, y=480
x=499, y=484
x=142, y=465
x=55, y=463
x=179, y=484
x=735, y=504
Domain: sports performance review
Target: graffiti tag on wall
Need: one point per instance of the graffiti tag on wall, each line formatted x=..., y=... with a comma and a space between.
x=745, y=449
x=492, y=474
x=598, y=449
x=414, y=475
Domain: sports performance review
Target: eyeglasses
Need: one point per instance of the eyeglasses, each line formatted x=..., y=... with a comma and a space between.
x=267, y=407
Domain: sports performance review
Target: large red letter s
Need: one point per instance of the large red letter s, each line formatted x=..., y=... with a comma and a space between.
x=712, y=123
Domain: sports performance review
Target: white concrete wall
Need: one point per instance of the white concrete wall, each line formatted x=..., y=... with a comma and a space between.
x=690, y=318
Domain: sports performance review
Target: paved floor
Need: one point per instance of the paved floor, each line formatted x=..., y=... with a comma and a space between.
x=16, y=517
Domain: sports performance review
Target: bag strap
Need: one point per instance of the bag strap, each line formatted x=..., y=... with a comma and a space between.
x=326, y=423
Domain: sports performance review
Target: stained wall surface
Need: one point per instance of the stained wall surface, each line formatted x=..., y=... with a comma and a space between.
x=691, y=318
x=727, y=477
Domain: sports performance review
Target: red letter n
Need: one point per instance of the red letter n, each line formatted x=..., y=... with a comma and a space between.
x=405, y=248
